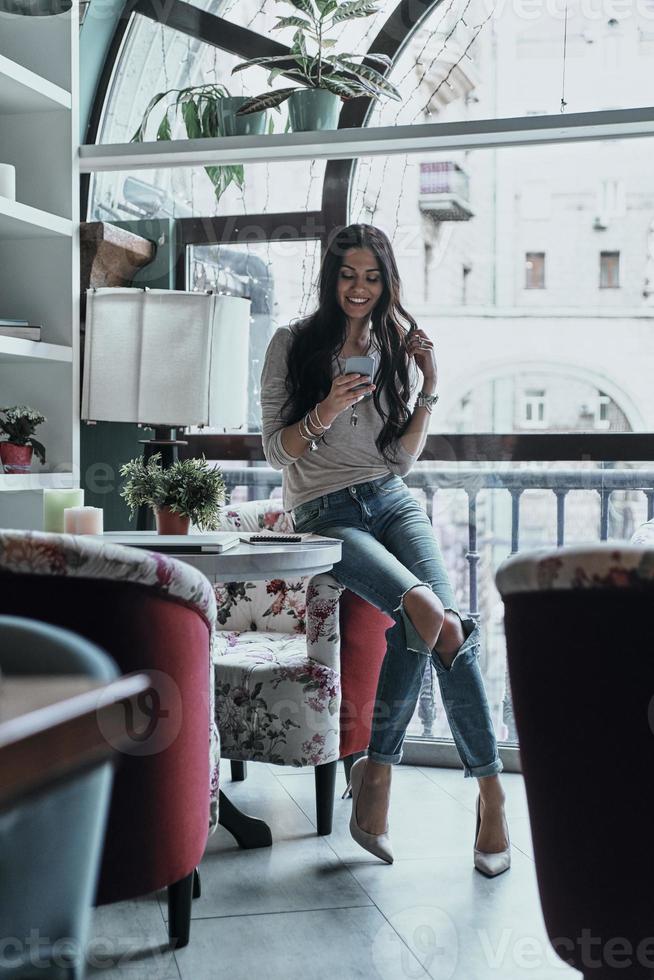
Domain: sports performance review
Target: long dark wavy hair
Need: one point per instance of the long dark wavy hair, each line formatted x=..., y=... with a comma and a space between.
x=318, y=337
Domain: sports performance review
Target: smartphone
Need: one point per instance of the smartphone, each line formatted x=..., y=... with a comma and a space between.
x=364, y=364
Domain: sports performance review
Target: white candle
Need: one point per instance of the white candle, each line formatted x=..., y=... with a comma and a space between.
x=8, y=181
x=83, y=520
x=54, y=503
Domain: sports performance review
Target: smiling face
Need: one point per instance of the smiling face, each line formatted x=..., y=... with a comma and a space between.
x=359, y=284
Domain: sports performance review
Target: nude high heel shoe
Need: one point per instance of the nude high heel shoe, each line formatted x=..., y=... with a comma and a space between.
x=377, y=844
x=490, y=865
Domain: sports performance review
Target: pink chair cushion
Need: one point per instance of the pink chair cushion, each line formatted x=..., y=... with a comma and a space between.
x=363, y=647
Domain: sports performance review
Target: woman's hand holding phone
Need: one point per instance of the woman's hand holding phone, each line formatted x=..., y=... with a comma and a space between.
x=346, y=390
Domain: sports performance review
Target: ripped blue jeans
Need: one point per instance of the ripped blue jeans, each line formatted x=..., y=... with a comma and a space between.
x=389, y=547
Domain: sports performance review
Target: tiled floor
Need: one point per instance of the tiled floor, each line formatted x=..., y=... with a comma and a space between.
x=317, y=908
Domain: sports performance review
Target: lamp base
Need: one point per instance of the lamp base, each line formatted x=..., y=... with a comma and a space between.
x=166, y=443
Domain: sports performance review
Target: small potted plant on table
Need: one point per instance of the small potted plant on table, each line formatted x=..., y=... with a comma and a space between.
x=325, y=79
x=19, y=423
x=189, y=490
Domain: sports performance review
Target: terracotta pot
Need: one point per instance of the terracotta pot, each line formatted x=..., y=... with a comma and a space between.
x=168, y=522
x=15, y=459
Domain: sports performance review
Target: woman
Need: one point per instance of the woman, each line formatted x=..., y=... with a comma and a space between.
x=343, y=459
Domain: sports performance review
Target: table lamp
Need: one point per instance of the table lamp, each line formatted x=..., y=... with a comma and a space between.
x=166, y=359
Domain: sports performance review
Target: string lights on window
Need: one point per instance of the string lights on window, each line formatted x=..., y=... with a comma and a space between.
x=448, y=12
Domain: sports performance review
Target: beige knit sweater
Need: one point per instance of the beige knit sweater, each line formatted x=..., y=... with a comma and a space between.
x=346, y=454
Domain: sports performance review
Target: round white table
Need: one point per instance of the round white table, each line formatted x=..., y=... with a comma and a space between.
x=245, y=562
x=259, y=562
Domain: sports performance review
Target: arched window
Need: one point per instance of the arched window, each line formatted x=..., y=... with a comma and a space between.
x=465, y=224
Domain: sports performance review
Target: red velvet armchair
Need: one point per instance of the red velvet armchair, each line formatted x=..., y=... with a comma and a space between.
x=578, y=630
x=150, y=613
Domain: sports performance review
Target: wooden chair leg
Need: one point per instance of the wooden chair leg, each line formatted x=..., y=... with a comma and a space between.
x=179, y=911
x=325, y=786
x=348, y=762
x=197, y=885
x=239, y=770
x=246, y=830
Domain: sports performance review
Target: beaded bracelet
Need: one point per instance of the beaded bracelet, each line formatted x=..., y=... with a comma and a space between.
x=426, y=401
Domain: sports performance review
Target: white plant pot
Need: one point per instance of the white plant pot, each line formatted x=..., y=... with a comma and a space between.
x=8, y=181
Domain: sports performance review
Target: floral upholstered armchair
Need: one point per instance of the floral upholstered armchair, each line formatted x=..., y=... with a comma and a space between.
x=297, y=665
x=277, y=667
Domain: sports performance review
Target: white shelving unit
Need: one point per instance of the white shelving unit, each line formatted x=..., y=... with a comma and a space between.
x=344, y=144
x=21, y=221
x=14, y=350
x=39, y=248
x=36, y=482
x=21, y=90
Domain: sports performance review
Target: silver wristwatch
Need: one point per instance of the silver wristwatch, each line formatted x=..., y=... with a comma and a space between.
x=426, y=401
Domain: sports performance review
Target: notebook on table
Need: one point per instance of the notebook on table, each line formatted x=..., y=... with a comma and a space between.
x=281, y=537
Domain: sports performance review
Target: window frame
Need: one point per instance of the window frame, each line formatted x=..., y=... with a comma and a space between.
x=605, y=268
x=533, y=397
x=602, y=400
x=543, y=281
x=530, y=129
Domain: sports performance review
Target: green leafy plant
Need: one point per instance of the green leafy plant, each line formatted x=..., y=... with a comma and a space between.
x=142, y=482
x=190, y=487
x=19, y=423
x=197, y=106
x=342, y=74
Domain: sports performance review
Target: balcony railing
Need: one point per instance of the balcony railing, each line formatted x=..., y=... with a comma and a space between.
x=429, y=721
x=445, y=191
x=261, y=481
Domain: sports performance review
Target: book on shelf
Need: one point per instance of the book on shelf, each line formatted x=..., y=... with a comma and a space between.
x=25, y=333
x=9, y=321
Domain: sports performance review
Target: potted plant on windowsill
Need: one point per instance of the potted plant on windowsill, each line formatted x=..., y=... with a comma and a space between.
x=189, y=490
x=326, y=79
x=206, y=111
x=19, y=424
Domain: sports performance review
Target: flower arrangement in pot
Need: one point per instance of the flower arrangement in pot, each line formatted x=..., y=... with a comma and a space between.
x=189, y=490
x=19, y=424
x=206, y=111
x=325, y=79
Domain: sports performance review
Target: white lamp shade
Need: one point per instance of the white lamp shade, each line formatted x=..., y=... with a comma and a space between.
x=163, y=357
